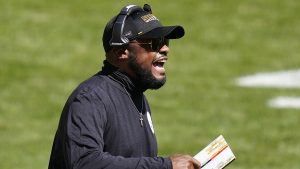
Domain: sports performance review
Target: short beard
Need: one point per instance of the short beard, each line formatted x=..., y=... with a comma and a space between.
x=145, y=77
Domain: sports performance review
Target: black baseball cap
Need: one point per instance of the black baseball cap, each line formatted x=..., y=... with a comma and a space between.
x=141, y=24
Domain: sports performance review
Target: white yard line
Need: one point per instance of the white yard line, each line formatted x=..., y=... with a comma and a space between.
x=285, y=102
x=280, y=79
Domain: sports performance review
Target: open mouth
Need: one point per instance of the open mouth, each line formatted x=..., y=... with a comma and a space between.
x=158, y=67
x=159, y=62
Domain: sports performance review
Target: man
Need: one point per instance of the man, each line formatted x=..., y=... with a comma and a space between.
x=106, y=122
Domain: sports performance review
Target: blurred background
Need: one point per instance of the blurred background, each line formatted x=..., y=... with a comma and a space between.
x=48, y=47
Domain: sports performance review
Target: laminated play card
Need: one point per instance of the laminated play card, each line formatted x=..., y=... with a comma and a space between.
x=216, y=155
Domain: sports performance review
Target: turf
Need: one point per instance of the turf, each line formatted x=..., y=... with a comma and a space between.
x=49, y=47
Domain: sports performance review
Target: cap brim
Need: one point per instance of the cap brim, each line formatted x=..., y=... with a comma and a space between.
x=169, y=32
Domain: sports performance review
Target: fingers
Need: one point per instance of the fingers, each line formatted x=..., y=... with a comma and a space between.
x=196, y=163
x=184, y=162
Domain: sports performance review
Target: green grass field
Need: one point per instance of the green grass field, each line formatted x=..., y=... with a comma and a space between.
x=48, y=47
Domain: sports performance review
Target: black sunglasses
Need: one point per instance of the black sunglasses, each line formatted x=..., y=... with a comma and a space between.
x=155, y=44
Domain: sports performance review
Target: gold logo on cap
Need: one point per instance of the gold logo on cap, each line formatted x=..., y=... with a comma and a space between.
x=149, y=17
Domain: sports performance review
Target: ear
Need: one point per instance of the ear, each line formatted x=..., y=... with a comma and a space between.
x=124, y=54
x=121, y=53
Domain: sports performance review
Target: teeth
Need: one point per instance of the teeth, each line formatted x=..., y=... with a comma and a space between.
x=161, y=61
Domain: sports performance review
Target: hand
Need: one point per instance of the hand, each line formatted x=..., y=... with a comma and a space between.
x=184, y=162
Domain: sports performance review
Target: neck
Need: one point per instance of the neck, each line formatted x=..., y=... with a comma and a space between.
x=130, y=84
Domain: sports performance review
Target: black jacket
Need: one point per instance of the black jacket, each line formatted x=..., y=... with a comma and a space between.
x=100, y=127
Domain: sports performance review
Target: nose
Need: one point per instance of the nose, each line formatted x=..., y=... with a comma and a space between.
x=164, y=50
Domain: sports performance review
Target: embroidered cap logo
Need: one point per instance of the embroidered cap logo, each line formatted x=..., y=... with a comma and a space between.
x=149, y=17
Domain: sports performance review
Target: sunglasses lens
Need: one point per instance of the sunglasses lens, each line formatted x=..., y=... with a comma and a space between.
x=159, y=43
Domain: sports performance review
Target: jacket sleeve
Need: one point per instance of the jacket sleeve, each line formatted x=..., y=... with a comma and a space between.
x=84, y=147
